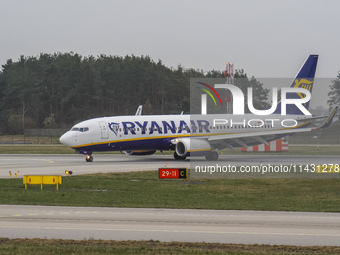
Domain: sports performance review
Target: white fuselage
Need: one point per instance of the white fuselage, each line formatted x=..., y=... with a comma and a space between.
x=155, y=132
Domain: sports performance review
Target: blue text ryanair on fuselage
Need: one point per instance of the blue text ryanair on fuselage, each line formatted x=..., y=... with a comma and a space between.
x=165, y=128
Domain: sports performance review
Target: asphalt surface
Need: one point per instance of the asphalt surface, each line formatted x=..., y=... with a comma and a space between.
x=212, y=226
x=33, y=164
x=36, y=164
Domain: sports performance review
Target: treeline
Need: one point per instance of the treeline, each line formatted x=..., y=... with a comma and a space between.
x=61, y=89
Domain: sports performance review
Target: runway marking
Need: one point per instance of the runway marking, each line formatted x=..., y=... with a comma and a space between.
x=173, y=231
x=40, y=214
x=47, y=160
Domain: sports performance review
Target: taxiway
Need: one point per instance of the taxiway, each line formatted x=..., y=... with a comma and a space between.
x=212, y=226
x=44, y=164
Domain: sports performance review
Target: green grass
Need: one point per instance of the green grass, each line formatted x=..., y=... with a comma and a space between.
x=34, y=149
x=29, y=139
x=144, y=189
x=43, y=246
x=314, y=150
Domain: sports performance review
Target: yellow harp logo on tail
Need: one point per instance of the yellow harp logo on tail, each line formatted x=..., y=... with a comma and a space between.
x=303, y=83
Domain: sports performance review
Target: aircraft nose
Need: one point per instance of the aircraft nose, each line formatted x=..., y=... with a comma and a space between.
x=66, y=139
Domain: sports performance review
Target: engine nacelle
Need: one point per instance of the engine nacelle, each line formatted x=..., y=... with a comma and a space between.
x=192, y=147
x=139, y=153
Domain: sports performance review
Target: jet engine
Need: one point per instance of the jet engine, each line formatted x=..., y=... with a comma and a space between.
x=192, y=147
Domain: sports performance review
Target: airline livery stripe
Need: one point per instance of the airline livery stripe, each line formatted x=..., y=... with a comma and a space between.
x=199, y=150
x=131, y=140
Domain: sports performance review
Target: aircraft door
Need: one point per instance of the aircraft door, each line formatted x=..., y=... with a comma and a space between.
x=104, y=130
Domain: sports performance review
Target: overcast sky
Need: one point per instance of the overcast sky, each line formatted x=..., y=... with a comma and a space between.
x=267, y=38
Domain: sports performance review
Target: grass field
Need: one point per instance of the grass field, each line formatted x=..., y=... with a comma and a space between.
x=144, y=189
x=34, y=149
x=87, y=247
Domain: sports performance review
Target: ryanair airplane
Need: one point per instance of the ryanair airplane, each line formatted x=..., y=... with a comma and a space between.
x=194, y=135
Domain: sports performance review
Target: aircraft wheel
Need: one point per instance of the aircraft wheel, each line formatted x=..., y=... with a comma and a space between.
x=89, y=158
x=213, y=155
x=178, y=157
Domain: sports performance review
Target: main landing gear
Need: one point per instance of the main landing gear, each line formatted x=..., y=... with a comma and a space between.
x=213, y=155
x=178, y=157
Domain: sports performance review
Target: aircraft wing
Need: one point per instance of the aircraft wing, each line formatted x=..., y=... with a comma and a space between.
x=329, y=120
x=261, y=137
x=312, y=118
x=320, y=117
x=245, y=139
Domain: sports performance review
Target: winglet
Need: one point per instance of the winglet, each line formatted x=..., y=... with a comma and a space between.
x=139, y=110
x=329, y=120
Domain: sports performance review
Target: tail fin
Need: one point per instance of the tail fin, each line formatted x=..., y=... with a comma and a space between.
x=304, y=79
x=139, y=110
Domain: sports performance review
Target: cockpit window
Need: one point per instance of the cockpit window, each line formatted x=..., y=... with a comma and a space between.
x=82, y=129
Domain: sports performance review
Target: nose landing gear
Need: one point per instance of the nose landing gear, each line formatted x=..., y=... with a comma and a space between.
x=88, y=154
x=89, y=158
